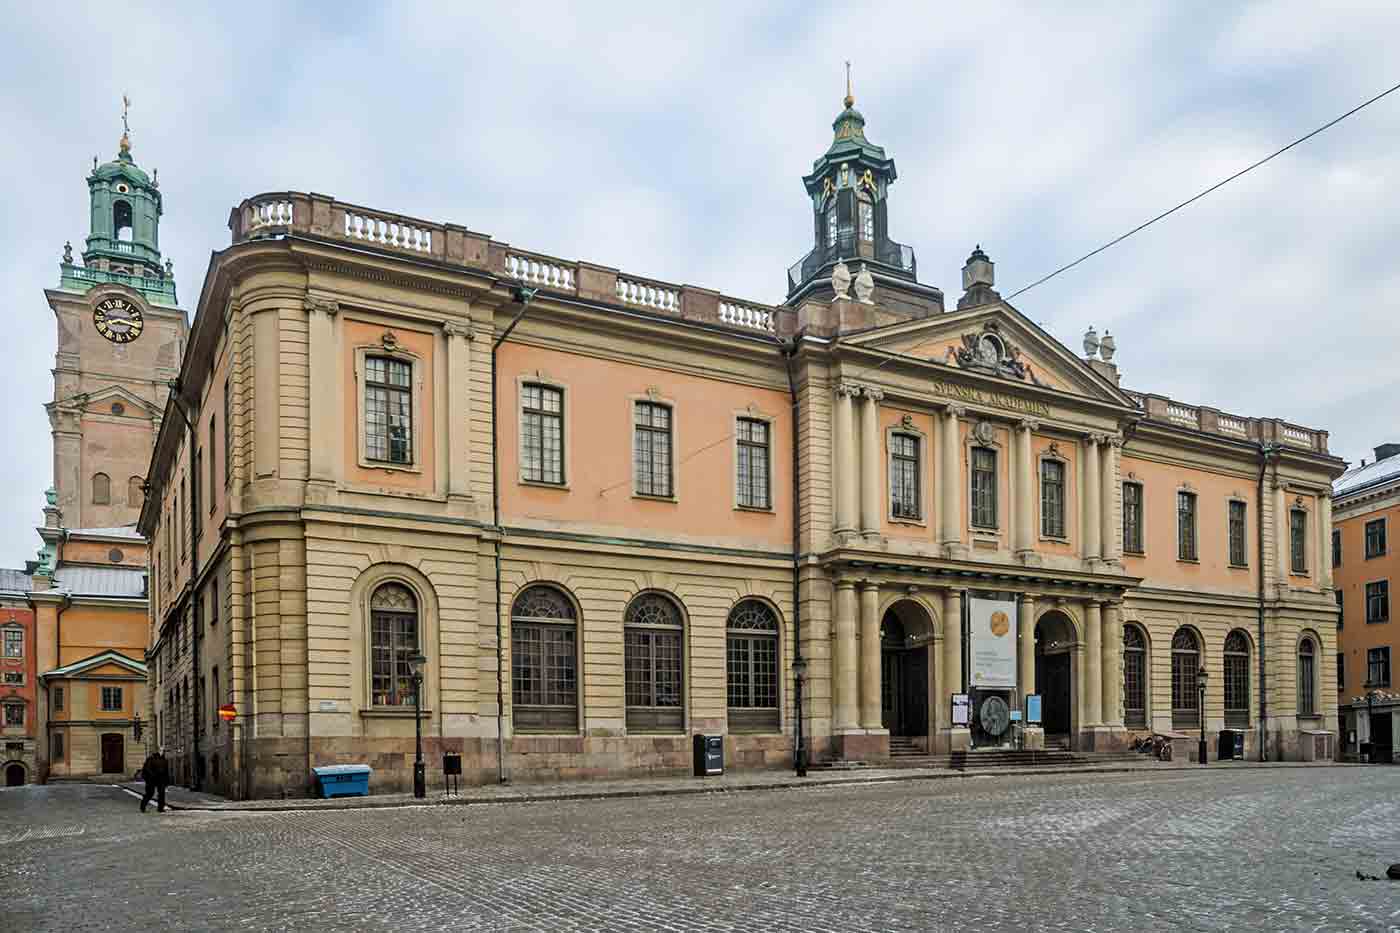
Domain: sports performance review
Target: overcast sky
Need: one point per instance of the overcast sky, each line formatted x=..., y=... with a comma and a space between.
x=672, y=145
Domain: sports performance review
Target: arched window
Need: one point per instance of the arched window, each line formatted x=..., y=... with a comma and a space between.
x=1134, y=677
x=1307, y=677
x=752, y=665
x=101, y=489
x=1186, y=662
x=1236, y=680
x=654, y=663
x=121, y=221
x=393, y=613
x=544, y=661
x=134, y=495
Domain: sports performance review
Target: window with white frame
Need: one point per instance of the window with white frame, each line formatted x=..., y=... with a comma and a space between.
x=753, y=463
x=867, y=222
x=1378, y=601
x=1375, y=538
x=388, y=410
x=13, y=677
x=542, y=434
x=984, y=487
x=905, y=496
x=1132, y=518
x=111, y=699
x=1052, y=498
x=14, y=643
x=651, y=449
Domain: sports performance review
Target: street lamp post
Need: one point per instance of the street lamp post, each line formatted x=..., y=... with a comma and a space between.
x=420, y=777
x=1370, y=724
x=799, y=676
x=1201, y=752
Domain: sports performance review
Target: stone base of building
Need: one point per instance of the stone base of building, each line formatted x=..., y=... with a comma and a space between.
x=865, y=745
x=280, y=767
x=956, y=739
x=1103, y=739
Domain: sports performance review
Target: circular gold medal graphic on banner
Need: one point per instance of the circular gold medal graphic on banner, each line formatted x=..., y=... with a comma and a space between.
x=1001, y=623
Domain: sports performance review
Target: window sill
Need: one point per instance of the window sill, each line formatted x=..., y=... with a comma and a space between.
x=1189, y=560
x=541, y=484
x=1237, y=566
x=1129, y=552
x=391, y=712
x=1055, y=539
x=388, y=467
x=760, y=509
x=899, y=520
x=1371, y=557
x=1375, y=622
x=535, y=733
x=651, y=498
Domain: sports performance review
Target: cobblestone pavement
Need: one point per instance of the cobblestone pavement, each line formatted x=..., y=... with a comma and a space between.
x=1268, y=849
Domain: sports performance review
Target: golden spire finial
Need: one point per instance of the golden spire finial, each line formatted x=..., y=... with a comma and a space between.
x=850, y=98
x=125, y=144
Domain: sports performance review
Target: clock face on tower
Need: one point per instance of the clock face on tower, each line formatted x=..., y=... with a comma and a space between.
x=118, y=320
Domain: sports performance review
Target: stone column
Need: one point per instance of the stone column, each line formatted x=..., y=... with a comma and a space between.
x=1112, y=536
x=1093, y=527
x=950, y=514
x=1025, y=646
x=1025, y=491
x=1324, y=541
x=950, y=679
x=459, y=407
x=1111, y=664
x=845, y=671
x=1093, y=657
x=844, y=459
x=871, y=464
x=870, y=655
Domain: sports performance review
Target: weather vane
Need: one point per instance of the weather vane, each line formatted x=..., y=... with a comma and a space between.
x=126, y=102
x=850, y=98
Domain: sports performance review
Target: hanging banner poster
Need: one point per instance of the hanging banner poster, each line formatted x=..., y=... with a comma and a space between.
x=993, y=627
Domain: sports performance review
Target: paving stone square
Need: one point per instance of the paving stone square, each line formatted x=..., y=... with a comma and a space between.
x=1260, y=849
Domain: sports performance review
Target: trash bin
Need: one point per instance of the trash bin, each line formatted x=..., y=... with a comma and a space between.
x=343, y=780
x=1230, y=745
x=709, y=755
x=1365, y=752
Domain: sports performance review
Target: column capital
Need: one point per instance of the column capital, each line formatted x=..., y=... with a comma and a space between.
x=1027, y=599
x=957, y=411
x=873, y=393
x=1028, y=424
x=846, y=389
x=459, y=329
x=327, y=306
x=868, y=584
x=1099, y=439
x=844, y=583
x=1116, y=440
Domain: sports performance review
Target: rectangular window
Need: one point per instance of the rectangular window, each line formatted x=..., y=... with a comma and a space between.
x=388, y=410
x=196, y=522
x=1237, y=549
x=393, y=640
x=1336, y=548
x=651, y=449
x=1132, y=518
x=214, y=602
x=111, y=699
x=984, y=487
x=867, y=222
x=14, y=643
x=753, y=464
x=1341, y=671
x=1378, y=601
x=228, y=430
x=542, y=429
x=906, y=500
x=1298, y=540
x=213, y=421
x=1052, y=498
x=14, y=714
x=58, y=699
x=1186, y=526
x=214, y=699
x=14, y=677
x=1341, y=613
x=181, y=519
x=1378, y=667
x=1375, y=538
x=57, y=748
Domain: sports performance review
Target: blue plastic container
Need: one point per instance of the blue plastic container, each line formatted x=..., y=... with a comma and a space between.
x=343, y=780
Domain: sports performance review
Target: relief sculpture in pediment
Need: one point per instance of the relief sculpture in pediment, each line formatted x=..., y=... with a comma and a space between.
x=989, y=352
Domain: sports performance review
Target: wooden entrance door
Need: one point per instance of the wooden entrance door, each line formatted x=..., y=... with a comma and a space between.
x=14, y=776
x=113, y=754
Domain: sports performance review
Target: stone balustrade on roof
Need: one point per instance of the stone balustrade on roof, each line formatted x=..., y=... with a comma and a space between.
x=323, y=217
x=1159, y=408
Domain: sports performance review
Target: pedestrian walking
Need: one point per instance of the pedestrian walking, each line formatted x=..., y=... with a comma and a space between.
x=156, y=773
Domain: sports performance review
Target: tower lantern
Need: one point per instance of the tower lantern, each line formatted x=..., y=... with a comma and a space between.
x=124, y=225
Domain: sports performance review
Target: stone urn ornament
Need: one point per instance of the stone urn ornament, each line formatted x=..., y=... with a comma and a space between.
x=841, y=281
x=1107, y=346
x=865, y=285
x=1091, y=342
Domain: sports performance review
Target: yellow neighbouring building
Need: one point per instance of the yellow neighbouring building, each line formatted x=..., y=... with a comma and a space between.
x=611, y=513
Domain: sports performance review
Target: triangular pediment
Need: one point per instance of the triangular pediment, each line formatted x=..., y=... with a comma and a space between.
x=998, y=342
x=100, y=402
x=107, y=663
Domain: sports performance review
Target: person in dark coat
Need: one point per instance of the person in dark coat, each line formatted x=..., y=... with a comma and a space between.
x=156, y=773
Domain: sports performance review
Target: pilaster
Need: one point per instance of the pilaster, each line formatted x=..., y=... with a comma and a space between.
x=459, y=408
x=950, y=534
x=871, y=463
x=1025, y=530
x=870, y=714
x=1093, y=521
x=845, y=460
x=1093, y=663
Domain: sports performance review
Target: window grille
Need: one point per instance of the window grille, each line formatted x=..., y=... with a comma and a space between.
x=905, y=497
x=388, y=410
x=542, y=444
x=651, y=455
x=753, y=463
x=544, y=662
x=393, y=640
x=653, y=662
x=1186, y=662
x=751, y=665
x=984, y=487
x=1186, y=526
x=1052, y=498
x=1236, y=680
x=1134, y=677
x=1132, y=518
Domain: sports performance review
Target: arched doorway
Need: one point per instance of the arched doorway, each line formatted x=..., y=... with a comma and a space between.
x=1054, y=676
x=906, y=643
x=14, y=775
x=113, y=753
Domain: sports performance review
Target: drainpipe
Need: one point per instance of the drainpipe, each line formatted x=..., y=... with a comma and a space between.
x=799, y=754
x=523, y=296
x=195, y=783
x=1265, y=452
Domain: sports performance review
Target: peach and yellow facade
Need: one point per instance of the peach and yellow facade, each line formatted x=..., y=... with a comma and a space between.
x=611, y=513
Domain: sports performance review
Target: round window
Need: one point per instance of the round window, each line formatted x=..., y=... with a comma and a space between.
x=122, y=188
x=115, y=555
x=118, y=408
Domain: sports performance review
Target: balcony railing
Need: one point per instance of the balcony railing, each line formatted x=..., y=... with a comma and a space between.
x=160, y=289
x=1212, y=421
x=887, y=252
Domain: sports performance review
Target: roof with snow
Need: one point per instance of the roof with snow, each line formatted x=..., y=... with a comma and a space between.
x=1360, y=478
x=101, y=581
x=15, y=581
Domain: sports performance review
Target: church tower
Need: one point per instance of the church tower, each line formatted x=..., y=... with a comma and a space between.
x=120, y=337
